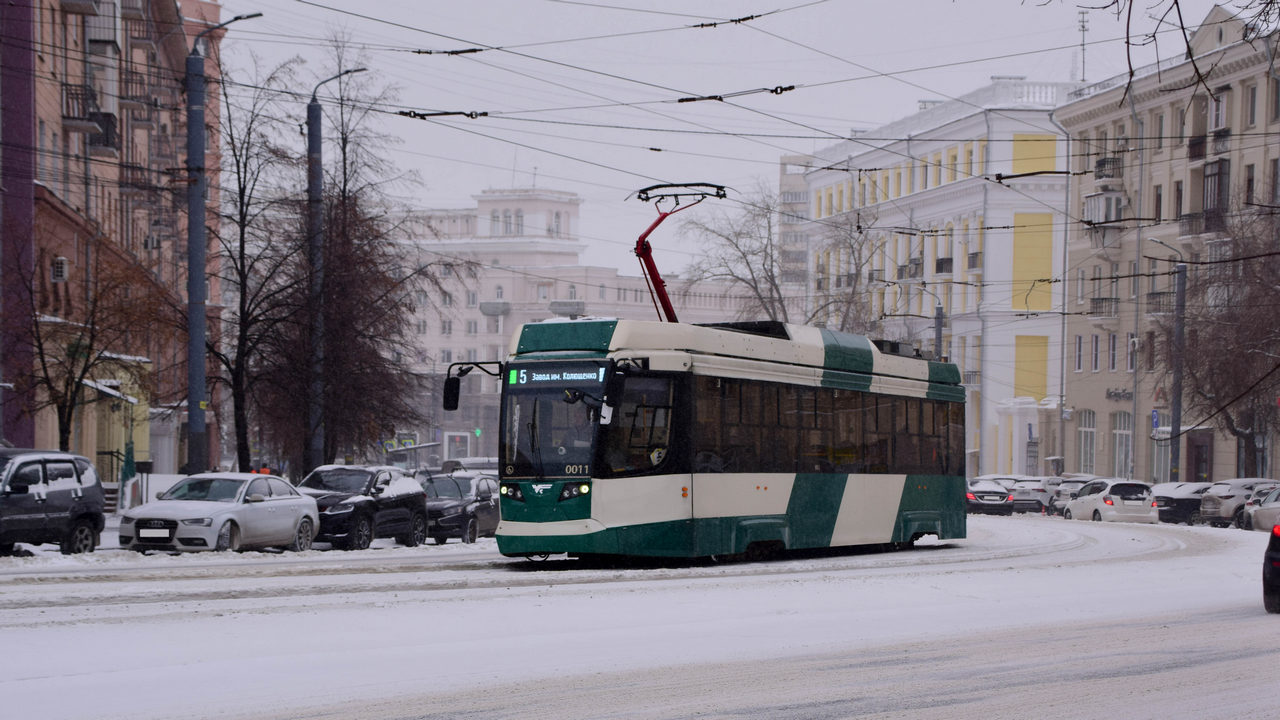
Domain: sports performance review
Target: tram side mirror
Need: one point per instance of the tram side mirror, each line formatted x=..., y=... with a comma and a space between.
x=452, y=388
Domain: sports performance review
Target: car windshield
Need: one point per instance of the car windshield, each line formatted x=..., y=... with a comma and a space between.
x=344, y=480
x=196, y=488
x=442, y=487
x=1129, y=491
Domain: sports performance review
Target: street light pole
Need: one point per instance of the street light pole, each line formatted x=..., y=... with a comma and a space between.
x=1179, y=328
x=197, y=187
x=315, y=257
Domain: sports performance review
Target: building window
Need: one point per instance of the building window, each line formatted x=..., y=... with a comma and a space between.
x=473, y=327
x=519, y=222
x=1218, y=111
x=498, y=292
x=446, y=327
x=472, y=299
x=495, y=224
x=601, y=292
x=1135, y=284
x=1177, y=200
x=1113, y=350
x=1131, y=352
x=446, y=356
x=1248, y=183
x=573, y=292
x=422, y=327
x=446, y=299
x=1095, y=352
x=1079, y=353
x=506, y=222
x=544, y=292
x=1159, y=130
x=1159, y=203
x=1122, y=442
x=1251, y=105
x=1080, y=285
x=1085, y=436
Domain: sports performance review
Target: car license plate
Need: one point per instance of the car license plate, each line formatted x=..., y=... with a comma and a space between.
x=1135, y=503
x=153, y=533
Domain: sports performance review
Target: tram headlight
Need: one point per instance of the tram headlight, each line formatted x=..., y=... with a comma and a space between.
x=511, y=491
x=573, y=490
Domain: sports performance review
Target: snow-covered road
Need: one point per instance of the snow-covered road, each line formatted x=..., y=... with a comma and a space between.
x=1028, y=614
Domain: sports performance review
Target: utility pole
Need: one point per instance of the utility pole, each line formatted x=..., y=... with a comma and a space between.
x=1175, y=402
x=197, y=186
x=939, y=319
x=314, y=455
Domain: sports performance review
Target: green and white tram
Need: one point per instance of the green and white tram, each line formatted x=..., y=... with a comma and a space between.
x=635, y=438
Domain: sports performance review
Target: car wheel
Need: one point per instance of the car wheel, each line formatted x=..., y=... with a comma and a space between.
x=472, y=532
x=417, y=531
x=1271, y=599
x=6, y=549
x=228, y=538
x=1242, y=520
x=361, y=535
x=81, y=538
x=1066, y=514
x=302, y=536
x=1097, y=516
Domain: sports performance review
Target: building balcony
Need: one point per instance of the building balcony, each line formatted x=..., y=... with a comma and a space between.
x=106, y=142
x=79, y=105
x=135, y=178
x=1198, y=223
x=1104, y=307
x=132, y=9
x=915, y=268
x=136, y=89
x=495, y=308
x=1107, y=168
x=1160, y=303
x=972, y=377
x=1221, y=141
x=875, y=276
x=1196, y=147
x=79, y=7
x=568, y=308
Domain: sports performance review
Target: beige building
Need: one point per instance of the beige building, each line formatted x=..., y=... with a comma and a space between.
x=1162, y=162
x=93, y=107
x=526, y=252
x=950, y=221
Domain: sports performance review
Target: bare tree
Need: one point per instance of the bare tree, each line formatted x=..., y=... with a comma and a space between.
x=742, y=249
x=80, y=329
x=257, y=238
x=1231, y=356
x=843, y=300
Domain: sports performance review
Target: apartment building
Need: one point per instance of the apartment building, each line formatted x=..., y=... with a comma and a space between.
x=526, y=254
x=949, y=223
x=1165, y=160
x=94, y=187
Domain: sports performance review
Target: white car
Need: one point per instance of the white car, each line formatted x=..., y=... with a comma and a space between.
x=1264, y=515
x=222, y=511
x=1113, y=500
x=1223, y=503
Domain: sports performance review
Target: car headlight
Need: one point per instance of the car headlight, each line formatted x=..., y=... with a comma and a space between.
x=339, y=508
x=202, y=522
x=126, y=520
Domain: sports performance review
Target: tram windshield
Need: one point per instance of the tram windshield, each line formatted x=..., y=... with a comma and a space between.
x=550, y=414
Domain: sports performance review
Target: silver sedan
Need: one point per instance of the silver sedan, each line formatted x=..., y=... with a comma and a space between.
x=222, y=511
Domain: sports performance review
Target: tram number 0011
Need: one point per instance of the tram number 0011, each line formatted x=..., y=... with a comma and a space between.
x=577, y=469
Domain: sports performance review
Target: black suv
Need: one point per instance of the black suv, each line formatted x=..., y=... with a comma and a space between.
x=360, y=502
x=462, y=504
x=48, y=496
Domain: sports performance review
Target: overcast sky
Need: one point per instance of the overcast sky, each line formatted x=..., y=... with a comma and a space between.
x=585, y=96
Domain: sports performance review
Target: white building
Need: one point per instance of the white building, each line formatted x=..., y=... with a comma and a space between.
x=524, y=249
x=957, y=211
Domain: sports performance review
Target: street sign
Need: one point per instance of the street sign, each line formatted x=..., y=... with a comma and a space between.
x=1155, y=419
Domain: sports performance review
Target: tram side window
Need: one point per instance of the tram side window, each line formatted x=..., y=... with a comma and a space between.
x=639, y=438
x=847, y=441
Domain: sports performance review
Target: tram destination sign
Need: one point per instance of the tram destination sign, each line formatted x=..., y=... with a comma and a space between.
x=576, y=374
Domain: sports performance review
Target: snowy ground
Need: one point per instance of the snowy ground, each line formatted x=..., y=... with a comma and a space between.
x=1029, y=616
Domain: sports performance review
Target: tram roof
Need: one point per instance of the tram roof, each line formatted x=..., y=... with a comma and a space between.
x=762, y=341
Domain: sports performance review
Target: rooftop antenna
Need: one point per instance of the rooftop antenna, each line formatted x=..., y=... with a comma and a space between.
x=672, y=193
x=1084, y=27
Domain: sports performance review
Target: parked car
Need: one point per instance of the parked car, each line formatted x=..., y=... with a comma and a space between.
x=1244, y=518
x=1062, y=494
x=222, y=511
x=1266, y=513
x=360, y=502
x=1223, y=503
x=1030, y=495
x=1271, y=573
x=1113, y=501
x=461, y=504
x=1179, y=502
x=48, y=496
x=988, y=496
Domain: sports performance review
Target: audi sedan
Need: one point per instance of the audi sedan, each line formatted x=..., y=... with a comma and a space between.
x=222, y=511
x=1113, y=500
